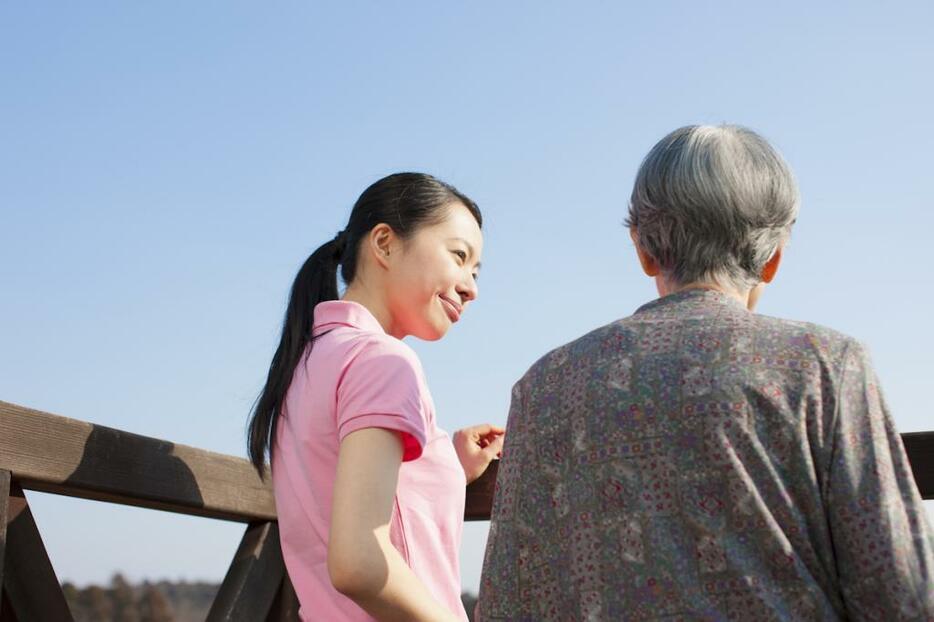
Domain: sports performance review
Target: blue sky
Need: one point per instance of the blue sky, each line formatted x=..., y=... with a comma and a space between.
x=165, y=169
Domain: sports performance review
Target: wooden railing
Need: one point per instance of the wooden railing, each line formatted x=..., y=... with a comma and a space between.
x=49, y=453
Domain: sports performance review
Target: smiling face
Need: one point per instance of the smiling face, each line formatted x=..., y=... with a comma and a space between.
x=432, y=276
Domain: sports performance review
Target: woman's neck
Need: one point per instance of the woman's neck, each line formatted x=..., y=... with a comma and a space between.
x=375, y=305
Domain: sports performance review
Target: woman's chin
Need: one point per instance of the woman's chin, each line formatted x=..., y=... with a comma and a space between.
x=433, y=331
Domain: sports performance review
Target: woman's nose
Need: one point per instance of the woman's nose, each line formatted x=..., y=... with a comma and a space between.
x=467, y=291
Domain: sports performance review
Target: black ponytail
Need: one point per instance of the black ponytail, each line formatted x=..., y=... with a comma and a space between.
x=315, y=282
x=406, y=201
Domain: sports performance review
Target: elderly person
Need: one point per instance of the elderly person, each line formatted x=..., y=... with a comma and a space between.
x=698, y=461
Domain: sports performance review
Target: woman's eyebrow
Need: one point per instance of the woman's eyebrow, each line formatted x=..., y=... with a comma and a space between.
x=469, y=248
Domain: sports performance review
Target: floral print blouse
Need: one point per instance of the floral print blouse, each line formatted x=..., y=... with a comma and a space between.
x=697, y=461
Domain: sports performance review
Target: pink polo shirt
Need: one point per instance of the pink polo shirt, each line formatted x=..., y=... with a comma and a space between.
x=359, y=377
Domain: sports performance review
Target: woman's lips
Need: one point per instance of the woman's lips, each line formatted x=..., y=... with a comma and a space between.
x=453, y=309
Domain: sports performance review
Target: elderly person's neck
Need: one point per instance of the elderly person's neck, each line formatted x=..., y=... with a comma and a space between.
x=665, y=285
x=748, y=297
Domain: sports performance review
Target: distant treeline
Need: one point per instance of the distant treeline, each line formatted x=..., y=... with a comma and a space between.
x=164, y=601
x=121, y=601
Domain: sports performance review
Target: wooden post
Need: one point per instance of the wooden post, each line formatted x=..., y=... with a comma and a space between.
x=254, y=577
x=920, y=449
x=29, y=582
x=5, y=479
x=480, y=494
x=6, y=610
x=285, y=609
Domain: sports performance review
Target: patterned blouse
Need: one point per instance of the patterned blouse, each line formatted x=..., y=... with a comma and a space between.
x=697, y=461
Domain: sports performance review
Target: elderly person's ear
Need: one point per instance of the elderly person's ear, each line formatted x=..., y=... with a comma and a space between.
x=649, y=265
x=771, y=266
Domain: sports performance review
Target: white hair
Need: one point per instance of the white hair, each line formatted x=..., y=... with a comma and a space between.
x=713, y=204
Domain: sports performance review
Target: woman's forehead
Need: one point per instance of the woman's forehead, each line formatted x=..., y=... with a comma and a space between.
x=463, y=220
x=459, y=223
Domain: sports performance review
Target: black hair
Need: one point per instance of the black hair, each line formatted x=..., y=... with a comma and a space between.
x=405, y=202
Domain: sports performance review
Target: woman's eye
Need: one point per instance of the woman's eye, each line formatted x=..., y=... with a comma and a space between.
x=461, y=255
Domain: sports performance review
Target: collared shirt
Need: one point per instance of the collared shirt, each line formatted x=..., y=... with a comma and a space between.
x=697, y=461
x=357, y=376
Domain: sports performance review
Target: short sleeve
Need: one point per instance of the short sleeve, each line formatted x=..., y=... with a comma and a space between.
x=380, y=388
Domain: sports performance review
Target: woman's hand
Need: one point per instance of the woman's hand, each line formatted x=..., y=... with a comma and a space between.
x=477, y=446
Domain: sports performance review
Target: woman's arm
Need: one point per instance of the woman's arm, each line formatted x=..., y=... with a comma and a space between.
x=362, y=562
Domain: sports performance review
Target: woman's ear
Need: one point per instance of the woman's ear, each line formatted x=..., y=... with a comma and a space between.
x=771, y=266
x=649, y=265
x=380, y=243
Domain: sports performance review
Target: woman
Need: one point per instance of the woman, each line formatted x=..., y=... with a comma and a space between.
x=697, y=460
x=369, y=490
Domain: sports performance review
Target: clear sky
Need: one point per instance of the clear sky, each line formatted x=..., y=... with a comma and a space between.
x=166, y=167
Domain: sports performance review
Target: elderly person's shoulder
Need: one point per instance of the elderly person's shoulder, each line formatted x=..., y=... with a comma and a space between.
x=794, y=339
x=568, y=362
x=758, y=337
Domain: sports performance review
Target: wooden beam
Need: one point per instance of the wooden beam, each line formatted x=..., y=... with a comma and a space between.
x=6, y=610
x=29, y=582
x=65, y=456
x=480, y=494
x=918, y=445
x=920, y=449
x=5, y=481
x=254, y=577
x=70, y=457
x=286, y=606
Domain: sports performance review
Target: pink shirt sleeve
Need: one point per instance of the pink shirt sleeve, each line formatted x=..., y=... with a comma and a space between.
x=380, y=388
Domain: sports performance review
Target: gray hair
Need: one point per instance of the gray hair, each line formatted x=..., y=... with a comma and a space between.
x=713, y=204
